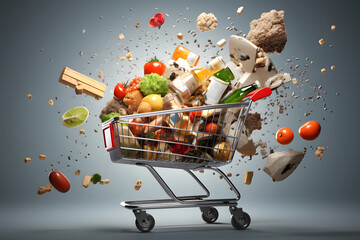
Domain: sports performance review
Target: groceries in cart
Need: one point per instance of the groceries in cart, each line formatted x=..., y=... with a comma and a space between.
x=180, y=112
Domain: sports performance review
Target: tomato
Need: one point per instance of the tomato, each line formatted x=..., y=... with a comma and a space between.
x=154, y=66
x=59, y=181
x=284, y=136
x=120, y=91
x=195, y=114
x=135, y=81
x=134, y=87
x=157, y=20
x=310, y=130
x=127, y=90
x=137, y=130
x=179, y=148
x=211, y=127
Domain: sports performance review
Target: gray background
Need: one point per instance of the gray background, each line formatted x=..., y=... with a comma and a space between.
x=319, y=201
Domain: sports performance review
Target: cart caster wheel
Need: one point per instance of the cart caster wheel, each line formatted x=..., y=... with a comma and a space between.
x=243, y=222
x=210, y=215
x=146, y=225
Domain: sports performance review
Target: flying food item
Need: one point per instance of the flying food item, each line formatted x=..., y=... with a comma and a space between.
x=281, y=165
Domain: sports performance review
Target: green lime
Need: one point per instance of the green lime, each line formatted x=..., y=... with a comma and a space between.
x=75, y=117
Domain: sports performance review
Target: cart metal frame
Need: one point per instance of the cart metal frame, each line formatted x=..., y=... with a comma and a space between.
x=144, y=221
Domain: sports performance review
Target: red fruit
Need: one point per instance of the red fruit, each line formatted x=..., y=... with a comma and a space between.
x=284, y=136
x=59, y=181
x=310, y=130
x=211, y=128
x=154, y=66
x=120, y=91
x=179, y=148
x=157, y=20
x=137, y=130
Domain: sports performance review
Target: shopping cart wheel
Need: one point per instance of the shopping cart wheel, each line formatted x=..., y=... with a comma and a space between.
x=241, y=222
x=146, y=225
x=209, y=214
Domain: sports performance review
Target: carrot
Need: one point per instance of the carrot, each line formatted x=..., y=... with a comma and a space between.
x=157, y=122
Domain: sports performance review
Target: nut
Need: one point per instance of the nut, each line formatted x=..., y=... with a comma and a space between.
x=51, y=102
x=121, y=36
x=29, y=96
x=42, y=157
x=180, y=36
x=332, y=67
x=321, y=42
x=77, y=172
x=27, y=160
x=82, y=131
x=332, y=27
x=320, y=152
x=323, y=71
x=229, y=174
x=138, y=185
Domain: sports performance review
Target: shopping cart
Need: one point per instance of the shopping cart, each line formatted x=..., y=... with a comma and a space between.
x=190, y=139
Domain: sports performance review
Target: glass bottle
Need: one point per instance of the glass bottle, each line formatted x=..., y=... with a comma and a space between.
x=225, y=74
x=213, y=67
x=186, y=54
x=239, y=94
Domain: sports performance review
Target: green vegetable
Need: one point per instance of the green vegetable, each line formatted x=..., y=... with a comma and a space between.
x=154, y=84
x=95, y=178
x=106, y=117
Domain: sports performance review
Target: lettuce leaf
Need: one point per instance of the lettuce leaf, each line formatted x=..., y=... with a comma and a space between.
x=154, y=84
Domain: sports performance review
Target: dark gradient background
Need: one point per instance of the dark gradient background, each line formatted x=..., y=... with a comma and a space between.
x=320, y=201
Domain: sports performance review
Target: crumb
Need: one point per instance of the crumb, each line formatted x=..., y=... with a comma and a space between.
x=320, y=152
x=229, y=174
x=221, y=43
x=240, y=10
x=106, y=181
x=77, y=172
x=82, y=131
x=129, y=55
x=201, y=171
x=332, y=27
x=100, y=74
x=137, y=25
x=332, y=67
x=180, y=36
x=122, y=58
x=323, y=71
x=42, y=190
x=42, y=157
x=138, y=185
x=248, y=177
x=27, y=160
x=321, y=42
x=51, y=102
x=206, y=22
x=29, y=96
x=294, y=81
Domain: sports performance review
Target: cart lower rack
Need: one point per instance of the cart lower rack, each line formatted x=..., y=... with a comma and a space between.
x=190, y=139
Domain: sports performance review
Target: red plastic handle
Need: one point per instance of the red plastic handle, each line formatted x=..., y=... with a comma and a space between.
x=259, y=94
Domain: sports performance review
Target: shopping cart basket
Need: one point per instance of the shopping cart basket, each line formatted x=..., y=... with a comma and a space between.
x=190, y=139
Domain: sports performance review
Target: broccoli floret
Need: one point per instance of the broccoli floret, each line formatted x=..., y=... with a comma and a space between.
x=95, y=178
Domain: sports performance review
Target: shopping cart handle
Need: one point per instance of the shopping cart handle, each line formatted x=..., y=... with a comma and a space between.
x=259, y=94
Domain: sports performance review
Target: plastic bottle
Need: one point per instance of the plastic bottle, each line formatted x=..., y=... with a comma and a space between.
x=213, y=67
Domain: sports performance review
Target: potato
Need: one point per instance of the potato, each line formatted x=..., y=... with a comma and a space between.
x=144, y=107
x=155, y=101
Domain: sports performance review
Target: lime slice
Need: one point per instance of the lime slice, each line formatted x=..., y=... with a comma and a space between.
x=75, y=117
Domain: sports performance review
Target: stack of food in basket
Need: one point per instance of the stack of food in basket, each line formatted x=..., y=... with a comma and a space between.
x=187, y=135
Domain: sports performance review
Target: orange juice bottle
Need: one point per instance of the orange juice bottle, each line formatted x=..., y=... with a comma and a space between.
x=186, y=54
x=201, y=74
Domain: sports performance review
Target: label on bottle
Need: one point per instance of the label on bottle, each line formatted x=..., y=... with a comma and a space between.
x=180, y=85
x=215, y=90
x=191, y=58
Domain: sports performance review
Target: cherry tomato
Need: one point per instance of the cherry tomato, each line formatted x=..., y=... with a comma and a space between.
x=154, y=66
x=194, y=114
x=120, y=91
x=310, y=130
x=179, y=148
x=59, y=181
x=135, y=81
x=211, y=127
x=284, y=136
x=134, y=87
x=137, y=130
x=127, y=90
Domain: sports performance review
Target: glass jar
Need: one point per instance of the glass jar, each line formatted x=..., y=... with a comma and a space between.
x=186, y=54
